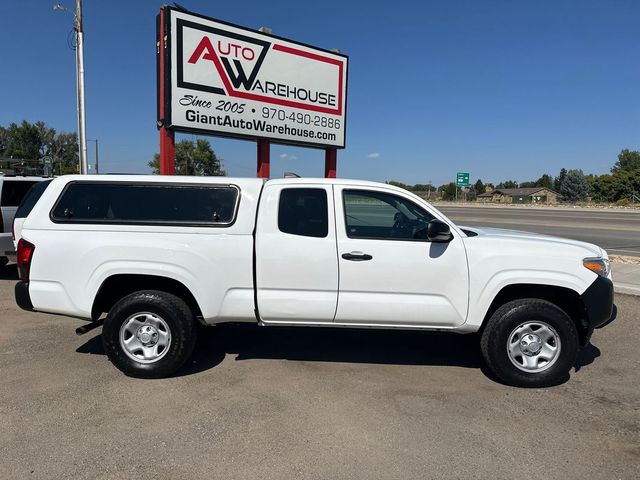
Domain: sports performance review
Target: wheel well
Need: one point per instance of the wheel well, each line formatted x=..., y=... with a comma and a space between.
x=118, y=286
x=565, y=298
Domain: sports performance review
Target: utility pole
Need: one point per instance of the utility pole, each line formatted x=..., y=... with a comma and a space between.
x=82, y=136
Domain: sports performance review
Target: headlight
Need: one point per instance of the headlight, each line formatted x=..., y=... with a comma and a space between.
x=597, y=265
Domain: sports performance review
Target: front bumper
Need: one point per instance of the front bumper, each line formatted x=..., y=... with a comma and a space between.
x=600, y=310
x=23, y=299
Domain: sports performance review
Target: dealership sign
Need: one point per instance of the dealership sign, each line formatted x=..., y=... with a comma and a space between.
x=228, y=80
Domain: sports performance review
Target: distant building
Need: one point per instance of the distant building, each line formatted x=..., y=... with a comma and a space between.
x=519, y=195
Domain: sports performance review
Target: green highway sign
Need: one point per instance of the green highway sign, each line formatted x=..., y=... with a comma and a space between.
x=462, y=179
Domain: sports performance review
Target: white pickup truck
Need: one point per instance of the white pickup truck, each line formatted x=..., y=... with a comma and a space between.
x=160, y=254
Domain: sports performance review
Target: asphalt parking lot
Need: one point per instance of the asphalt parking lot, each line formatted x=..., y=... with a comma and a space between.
x=310, y=404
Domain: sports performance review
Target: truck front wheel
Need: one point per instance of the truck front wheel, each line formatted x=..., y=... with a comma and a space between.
x=149, y=334
x=530, y=343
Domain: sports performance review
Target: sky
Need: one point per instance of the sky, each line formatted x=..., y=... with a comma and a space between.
x=501, y=89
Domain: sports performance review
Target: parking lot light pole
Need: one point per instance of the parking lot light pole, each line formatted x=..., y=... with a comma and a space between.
x=82, y=138
x=96, y=140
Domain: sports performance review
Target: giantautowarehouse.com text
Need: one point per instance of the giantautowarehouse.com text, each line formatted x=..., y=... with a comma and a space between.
x=255, y=125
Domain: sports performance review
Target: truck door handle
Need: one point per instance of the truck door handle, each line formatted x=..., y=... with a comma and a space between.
x=356, y=256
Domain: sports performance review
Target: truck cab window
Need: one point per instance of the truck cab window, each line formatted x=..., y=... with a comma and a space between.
x=377, y=215
x=303, y=211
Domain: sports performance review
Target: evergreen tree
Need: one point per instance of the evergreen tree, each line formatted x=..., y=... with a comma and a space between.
x=545, y=181
x=574, y=187
x=557, y=183
x=508, y=184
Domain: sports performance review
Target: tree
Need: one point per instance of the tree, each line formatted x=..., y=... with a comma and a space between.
x=574, y=187
x=622, y=184
x=508, y=184
x=193, y=158
x=64, y=151
x=528, y=184
x=4, y=141
x=479, y=187
x=617, y=186
x=395, y=183
x=24, y=141
x=418, y=187
x=545, y=181
x=628, y=160
x=32, y=142
x=557, y=183
x=449, y=191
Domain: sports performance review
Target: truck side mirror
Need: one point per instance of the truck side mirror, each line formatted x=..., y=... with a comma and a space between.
x=438, y=232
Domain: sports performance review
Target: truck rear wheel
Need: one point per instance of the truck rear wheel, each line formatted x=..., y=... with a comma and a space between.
x=149, y=334
x=530, y=343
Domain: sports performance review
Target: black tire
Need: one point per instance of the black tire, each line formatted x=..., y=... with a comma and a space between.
x=177, y=317
x=495, y=342
x=3, y=262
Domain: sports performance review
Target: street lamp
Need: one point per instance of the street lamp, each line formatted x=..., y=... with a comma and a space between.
x=95, y=140
x=82, y=139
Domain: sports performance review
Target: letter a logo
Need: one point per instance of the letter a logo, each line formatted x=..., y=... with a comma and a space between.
x=231, y=71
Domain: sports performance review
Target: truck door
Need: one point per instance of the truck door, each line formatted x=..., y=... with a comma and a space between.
x=389, y=277
x=296, y=256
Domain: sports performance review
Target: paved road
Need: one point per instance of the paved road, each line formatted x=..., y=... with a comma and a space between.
x=616, y=231
x=283, y=403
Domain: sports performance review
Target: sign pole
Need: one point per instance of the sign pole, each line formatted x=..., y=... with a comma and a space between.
x=330, y=161
x=167, y=136
x=167, y=152
x=264, y=161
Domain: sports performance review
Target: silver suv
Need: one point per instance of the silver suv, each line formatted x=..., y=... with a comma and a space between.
x=12, y=190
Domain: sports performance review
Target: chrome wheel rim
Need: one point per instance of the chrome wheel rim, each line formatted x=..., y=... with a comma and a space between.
x=533, y=346
x=145, y=337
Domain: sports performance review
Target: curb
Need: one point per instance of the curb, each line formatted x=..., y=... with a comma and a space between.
x=626, y=289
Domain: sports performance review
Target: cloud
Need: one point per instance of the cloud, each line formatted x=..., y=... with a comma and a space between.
x=373, y=155
x=286, y=156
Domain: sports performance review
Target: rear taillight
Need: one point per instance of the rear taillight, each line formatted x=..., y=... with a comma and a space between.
x=24, y=256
